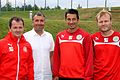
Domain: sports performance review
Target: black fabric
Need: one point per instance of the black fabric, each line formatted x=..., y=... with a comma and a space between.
x=70, y=79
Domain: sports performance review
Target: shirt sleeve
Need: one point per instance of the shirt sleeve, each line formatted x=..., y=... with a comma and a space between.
x=56, y=58
x=52, y=43
x=88, y=49
x=30, y=65
x=0, y=49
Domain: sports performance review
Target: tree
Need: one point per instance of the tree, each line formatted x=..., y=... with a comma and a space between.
x=23, y=8
x=47, y=8
x=58, y=7
x=35, y=7
x=8, y=6
x=79, y=6
x=17, y=8
x=29, y=7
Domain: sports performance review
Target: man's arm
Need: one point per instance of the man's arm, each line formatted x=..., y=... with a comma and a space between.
x=56, y=60
x=88, y=49
x=30, y=65
x=51, y=57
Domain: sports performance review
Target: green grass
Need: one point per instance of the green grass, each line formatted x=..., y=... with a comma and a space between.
x=55, y=20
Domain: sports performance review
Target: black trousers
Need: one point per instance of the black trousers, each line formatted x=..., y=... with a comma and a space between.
x=70, y=79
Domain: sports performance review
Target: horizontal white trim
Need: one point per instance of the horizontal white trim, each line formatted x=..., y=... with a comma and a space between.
x=111, y=43
x=77, y=41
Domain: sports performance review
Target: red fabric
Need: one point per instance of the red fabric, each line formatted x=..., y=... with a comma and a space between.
x=73, y=55
x=9, y=59
x=107, y=56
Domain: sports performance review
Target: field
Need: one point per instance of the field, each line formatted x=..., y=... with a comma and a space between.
x=55, y=20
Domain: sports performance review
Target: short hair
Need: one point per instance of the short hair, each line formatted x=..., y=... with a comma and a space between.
x=17, y=19
x=72, y=11
x=103, y=12
x=37, y=14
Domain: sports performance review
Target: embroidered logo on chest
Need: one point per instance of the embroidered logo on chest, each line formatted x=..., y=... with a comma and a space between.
x=25, y=49
x=96, y=38
x=62, y=36
x=105, y=39
x=10, y=47
x=115, y=38
x=78, y=37
x=70, y=37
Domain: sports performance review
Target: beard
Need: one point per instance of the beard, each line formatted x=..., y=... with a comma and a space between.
x=105, y=28
x=72, y=25
x=39, y=28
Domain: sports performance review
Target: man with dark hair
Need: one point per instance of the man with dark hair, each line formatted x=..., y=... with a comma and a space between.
x=73, y=52
x=43, y=45
x=16, y=61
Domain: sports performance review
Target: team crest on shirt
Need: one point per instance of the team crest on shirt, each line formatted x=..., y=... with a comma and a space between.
x=70, y=37
x=105, y=39
x=25, y=49
x=96, y=38
x=115, y=38
x=78, y=37
x=11, y=49
x=62, y=36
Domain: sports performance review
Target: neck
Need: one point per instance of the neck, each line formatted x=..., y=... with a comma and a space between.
x=107, y=33
x=40, y=33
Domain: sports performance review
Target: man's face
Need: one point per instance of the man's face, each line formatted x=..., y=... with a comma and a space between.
x=38, y=23
x=72, y=21
x=17, y=28
x=104, y=23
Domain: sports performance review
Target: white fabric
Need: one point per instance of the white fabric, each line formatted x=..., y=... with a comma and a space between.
x=41, y=45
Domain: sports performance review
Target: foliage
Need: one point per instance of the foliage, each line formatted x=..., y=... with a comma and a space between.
x=29, y=7
x=35, y=7
x=7, y=7
x=55, y=20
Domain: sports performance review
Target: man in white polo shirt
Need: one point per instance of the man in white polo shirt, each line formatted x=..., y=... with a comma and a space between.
x=43, y=45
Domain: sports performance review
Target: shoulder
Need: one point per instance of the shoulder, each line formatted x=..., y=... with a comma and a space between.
x=27, y=33
x=27, y=44
x=83, y=33
x=61, y=33
x=117, y=33
x=116, y=36
x=95, y=34
x=48, y=33
x=3, y=41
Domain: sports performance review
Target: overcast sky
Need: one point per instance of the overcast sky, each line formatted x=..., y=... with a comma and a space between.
x=65, y=3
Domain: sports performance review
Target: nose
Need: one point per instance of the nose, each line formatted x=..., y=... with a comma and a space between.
x=103, y=23
x=71, y=21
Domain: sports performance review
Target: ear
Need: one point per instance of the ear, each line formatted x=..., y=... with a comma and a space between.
x=9, y=28
x=78, y=20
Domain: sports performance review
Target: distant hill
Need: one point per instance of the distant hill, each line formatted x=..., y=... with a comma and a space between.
x=55, y=20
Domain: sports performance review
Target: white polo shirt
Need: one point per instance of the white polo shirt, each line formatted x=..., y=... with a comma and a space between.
x=41, y=45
